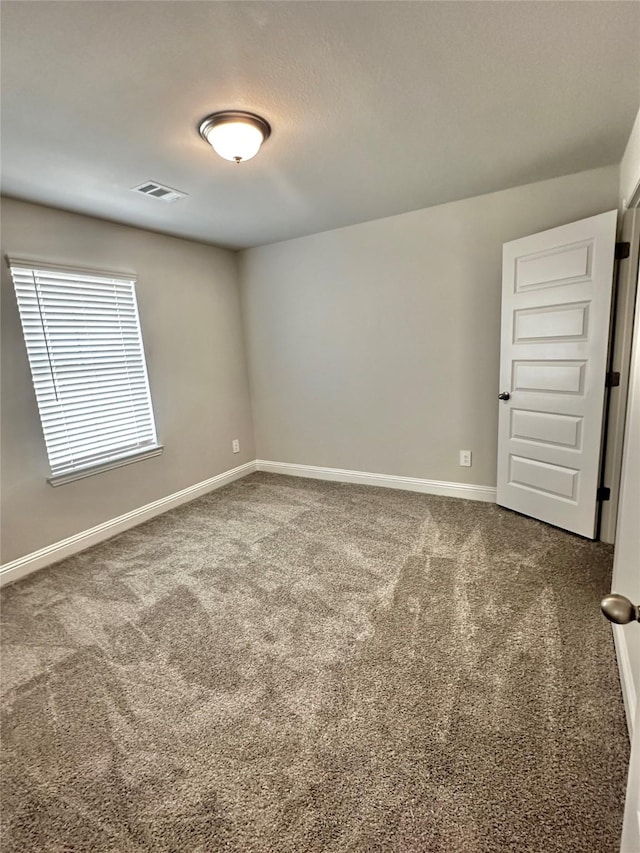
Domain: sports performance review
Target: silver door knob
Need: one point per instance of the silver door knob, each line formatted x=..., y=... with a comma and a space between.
x=504, y=395
x=618, y=609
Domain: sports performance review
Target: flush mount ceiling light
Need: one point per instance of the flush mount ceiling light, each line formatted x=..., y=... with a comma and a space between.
x=235, y=135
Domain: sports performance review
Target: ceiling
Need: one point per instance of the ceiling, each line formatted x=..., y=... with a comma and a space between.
x=376, y=107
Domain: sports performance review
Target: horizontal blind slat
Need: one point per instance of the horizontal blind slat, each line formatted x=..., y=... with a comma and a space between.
x=67, y=412
x=101, y=367
x=50, y=284
x=126, y=433
x=75, y=406
x=94, y=440
x=95, y=451
x=90, y=426
x=71, y=400
x=71, y=464
x=57, y=324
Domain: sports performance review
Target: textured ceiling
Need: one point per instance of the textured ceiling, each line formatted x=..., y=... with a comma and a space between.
x=376, y=107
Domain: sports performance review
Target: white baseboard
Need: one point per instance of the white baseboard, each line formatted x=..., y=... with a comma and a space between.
x=389, y=481
x=67, y=547
x=629, y=697
x=16, y=569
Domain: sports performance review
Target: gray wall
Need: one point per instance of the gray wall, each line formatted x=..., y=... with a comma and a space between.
x=190, y=315
x=376, y=347
x=372, y=348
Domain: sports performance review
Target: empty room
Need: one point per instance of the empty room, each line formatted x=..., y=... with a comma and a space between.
x=320, y=409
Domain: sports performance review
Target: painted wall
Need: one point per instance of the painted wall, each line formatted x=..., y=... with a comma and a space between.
x=376, y=347
x=630, y=166
x=189, y=307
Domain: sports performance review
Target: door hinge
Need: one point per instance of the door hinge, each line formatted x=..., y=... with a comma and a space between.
x=612, y=380
x=603, y=493
x=623, y=250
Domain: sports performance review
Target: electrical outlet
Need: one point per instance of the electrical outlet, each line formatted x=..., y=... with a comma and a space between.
x=235, y=446
x=465, y=458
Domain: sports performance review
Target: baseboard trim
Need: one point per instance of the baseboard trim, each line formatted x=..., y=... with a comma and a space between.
x=388, y=481
x=23, y=566
x=629, y=697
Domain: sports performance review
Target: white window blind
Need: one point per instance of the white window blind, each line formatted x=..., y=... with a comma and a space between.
x=85, y=350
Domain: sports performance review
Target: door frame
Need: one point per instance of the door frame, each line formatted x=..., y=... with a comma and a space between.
x=625, y=289
x=631, y=227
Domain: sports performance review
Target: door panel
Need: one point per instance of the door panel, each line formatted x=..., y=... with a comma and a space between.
x=549, y=377
x=626, y=580
x=544, y=477
x=546, y=428
x=556, y=303
x=551, y=322
x=557, y=264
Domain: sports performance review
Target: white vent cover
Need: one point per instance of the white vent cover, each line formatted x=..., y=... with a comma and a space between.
x=159, y=191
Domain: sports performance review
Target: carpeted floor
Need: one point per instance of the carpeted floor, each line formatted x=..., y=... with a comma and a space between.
x=296, y=666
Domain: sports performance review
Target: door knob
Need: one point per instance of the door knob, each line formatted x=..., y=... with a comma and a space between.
x=618, y=609
x=504, y=395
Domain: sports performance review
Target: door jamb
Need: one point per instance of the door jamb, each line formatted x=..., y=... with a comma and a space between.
x=625, y=287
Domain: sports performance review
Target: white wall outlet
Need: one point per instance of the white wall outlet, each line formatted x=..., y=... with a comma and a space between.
x=465, y=458
x=235, y=446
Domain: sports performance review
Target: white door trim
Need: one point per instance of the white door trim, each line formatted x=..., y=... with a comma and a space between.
x=626, y=288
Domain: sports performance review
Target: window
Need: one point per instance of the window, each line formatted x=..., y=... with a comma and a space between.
x=85, y=350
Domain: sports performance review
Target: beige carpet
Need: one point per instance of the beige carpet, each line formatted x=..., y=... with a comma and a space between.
x=296, y=666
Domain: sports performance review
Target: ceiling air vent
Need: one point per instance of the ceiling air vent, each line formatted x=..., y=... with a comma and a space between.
x=159, y=191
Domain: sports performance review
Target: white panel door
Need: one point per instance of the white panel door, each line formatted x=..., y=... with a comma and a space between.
x=626, y=581
x=556, y=305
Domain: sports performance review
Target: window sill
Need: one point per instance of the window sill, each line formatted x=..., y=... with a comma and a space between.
x=81, y=473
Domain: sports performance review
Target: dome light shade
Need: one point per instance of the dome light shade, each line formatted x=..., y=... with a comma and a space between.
x=235, y=135
x=235, y=140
